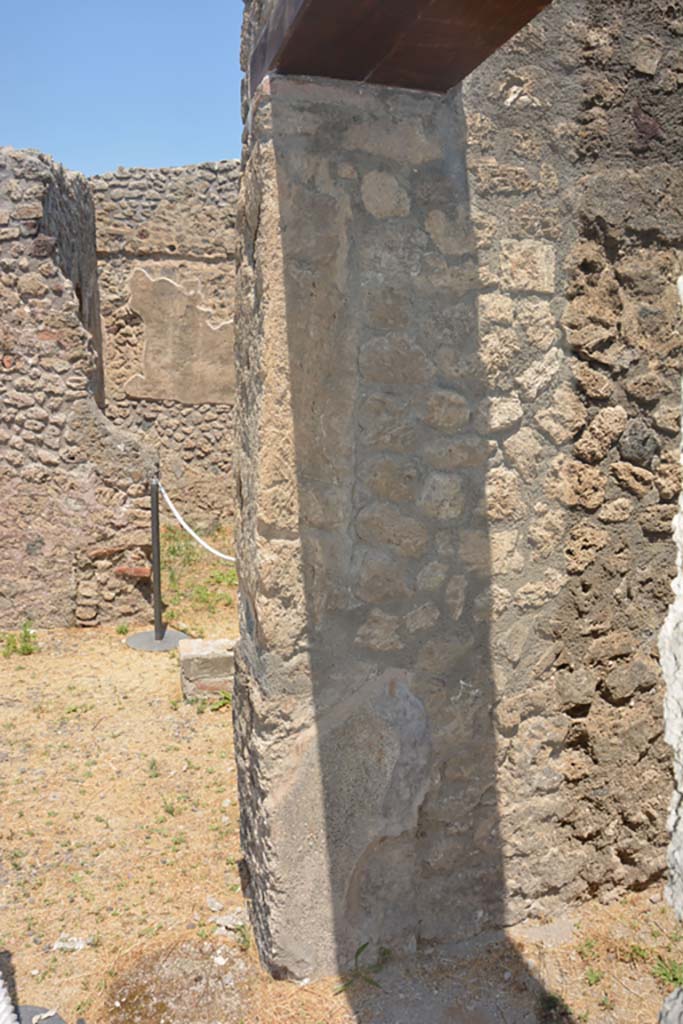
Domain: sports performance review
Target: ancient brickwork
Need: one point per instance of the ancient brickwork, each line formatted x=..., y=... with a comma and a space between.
x=457, y=447
x=165, y=242
x=73, y=489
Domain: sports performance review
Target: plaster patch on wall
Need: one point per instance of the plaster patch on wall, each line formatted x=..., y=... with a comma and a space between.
x=185, y=358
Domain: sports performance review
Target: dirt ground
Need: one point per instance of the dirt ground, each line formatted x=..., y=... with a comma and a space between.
x=119, y=840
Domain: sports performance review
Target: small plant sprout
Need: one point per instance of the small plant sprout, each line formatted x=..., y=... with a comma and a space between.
x=668, y=971
x=123, y=629
x=224, y=701
x=27, y=639
x=593, y=977
x=638, y=953
x=25, y=643
x=9, y=645
x=364, y=972
x=243, y=937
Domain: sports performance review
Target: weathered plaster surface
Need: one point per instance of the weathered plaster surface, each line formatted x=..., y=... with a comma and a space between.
x=165, y=242
x=172, y=368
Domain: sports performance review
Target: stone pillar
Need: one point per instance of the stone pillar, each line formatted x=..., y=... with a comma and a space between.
x=364, y=691
x=459, y=360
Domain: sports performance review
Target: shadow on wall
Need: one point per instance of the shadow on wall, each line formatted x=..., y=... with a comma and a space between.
x=366, y=686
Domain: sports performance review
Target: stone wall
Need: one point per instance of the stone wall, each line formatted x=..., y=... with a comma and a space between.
x=574, y=141
x=165, y=244
x=72, y=488
x=458, y=462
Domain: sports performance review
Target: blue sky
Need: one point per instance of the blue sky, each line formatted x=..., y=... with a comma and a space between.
x=131, y=83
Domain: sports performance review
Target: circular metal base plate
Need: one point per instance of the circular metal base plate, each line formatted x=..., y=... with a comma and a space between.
x=146, y=641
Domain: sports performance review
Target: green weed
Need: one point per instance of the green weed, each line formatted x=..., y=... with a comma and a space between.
x=587, y=949
x=668, y=971
x=243, y=937
x=364, y=972
x=224, y=701
x=25, y=643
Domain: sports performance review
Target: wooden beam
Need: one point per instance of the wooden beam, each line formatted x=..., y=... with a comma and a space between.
x=417, y=44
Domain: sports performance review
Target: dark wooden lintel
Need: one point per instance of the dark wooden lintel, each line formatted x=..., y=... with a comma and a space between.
x=417, y=44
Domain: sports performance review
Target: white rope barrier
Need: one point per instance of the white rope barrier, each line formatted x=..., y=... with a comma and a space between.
x=195, y=536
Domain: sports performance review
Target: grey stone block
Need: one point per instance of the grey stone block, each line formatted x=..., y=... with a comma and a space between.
x=206, y=667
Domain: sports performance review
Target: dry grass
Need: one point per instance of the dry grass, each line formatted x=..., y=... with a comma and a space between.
x=616, y=965
x=114, y=827
x=200, y=591
x=119, y=819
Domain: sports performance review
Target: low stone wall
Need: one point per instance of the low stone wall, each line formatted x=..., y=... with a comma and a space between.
x=72, y=488
x=165, y=242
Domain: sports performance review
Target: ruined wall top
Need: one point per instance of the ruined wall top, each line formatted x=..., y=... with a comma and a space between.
x=168, y=211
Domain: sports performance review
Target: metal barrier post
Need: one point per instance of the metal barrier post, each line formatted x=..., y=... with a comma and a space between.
x=156, y=562
x=162, y=637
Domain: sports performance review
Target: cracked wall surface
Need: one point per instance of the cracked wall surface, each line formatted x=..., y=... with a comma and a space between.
x=459, y=369
x=165, y=241
x=72, y=487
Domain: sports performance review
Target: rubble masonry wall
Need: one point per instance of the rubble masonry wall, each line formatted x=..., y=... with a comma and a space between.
x=72, y=488
x=165, y=246
x=458, y=346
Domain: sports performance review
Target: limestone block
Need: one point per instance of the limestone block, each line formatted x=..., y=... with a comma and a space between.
x=523, y=450
x=446, y=410
x=564, y=417
x=206, y=667
x=381, y=523
x=382, y=578
x=504, y=413
x=503, y=495
x=592, y=382
x=617, y=511
x=380, y=632
x=575, y=484
x=456, y=453
x=633, y=478
x=583, y=545
x=442, y=496
x=538, y=376
x=528, y=266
